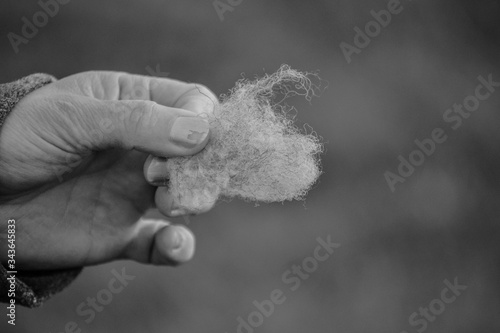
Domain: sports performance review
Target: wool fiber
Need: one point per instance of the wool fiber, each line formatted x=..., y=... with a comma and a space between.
x=255, y=151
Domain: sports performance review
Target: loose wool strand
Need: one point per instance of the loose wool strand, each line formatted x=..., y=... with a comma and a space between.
x=255, y=152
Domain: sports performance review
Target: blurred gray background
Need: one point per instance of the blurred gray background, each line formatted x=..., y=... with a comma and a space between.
x=396, y=248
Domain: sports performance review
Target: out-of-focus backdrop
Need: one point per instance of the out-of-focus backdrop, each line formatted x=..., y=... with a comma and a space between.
x=397, y=249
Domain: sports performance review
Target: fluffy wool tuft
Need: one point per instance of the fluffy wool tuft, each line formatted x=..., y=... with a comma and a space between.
x=255, y=151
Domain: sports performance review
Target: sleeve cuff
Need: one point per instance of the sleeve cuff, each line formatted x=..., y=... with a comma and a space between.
x=33, y=288
x=12, y=93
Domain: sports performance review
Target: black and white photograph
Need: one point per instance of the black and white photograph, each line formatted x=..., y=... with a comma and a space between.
x=250, y=166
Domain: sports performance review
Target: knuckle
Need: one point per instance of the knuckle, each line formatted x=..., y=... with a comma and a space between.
x=142, y=116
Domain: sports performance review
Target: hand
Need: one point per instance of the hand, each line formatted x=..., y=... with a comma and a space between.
x=75, y=172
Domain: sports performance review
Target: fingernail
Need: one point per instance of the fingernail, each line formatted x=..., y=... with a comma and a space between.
x=189, y=131
x=178, y=239
x=177, y=212
x=157, y=172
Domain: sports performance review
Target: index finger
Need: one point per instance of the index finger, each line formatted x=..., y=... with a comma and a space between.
x=168, y=92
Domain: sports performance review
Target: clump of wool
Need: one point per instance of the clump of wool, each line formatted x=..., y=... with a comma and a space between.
x=255, y=151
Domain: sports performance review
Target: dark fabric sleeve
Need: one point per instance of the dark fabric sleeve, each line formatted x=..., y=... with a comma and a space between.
x=11, y=93
x=32, y=288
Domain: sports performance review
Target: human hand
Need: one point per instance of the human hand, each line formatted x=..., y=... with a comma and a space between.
x=75, y=172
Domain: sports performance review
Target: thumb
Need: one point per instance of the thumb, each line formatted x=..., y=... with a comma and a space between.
x=145, y=126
